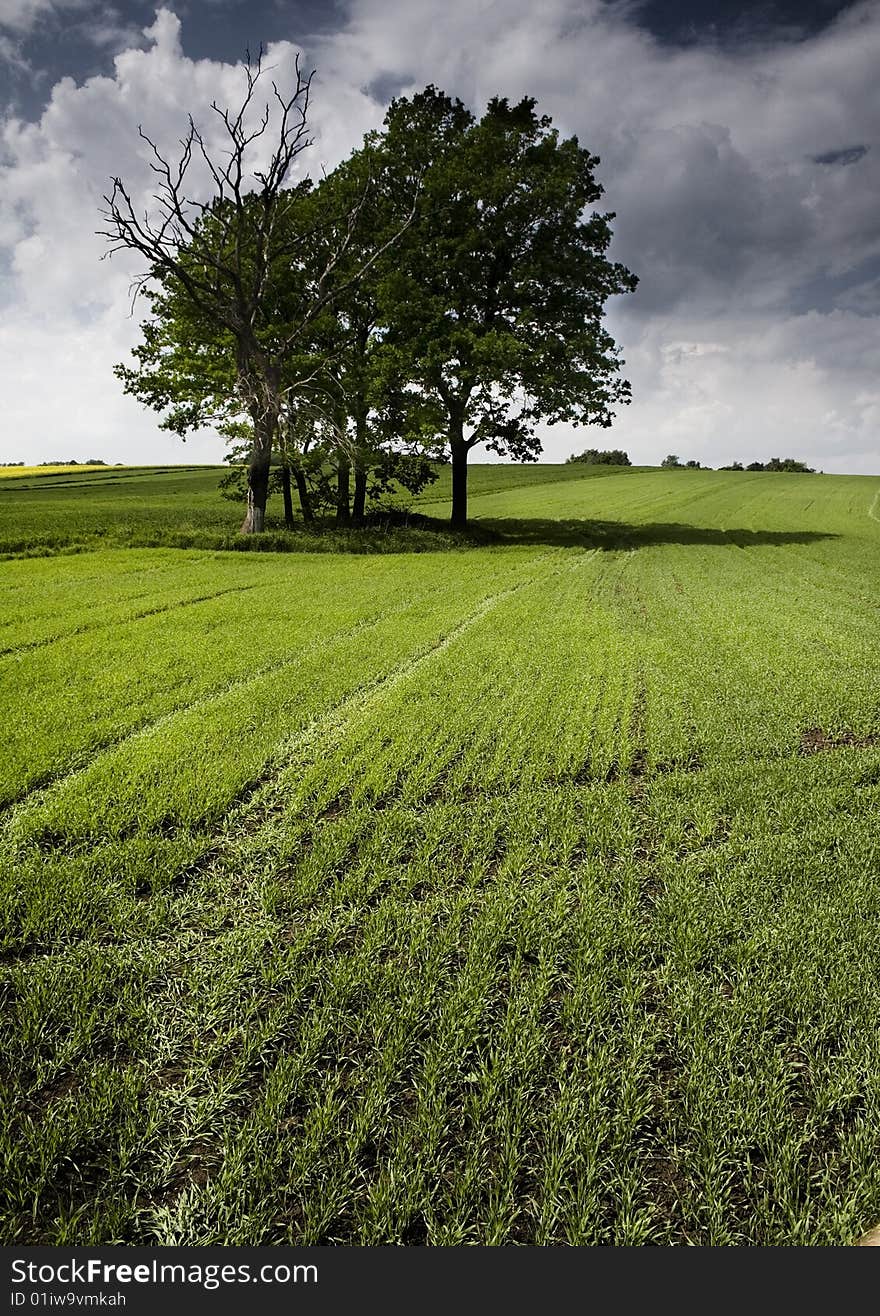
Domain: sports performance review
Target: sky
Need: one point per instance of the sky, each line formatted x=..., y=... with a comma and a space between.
x=739, y=148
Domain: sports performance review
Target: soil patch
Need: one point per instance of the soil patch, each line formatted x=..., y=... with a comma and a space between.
x=816, y=741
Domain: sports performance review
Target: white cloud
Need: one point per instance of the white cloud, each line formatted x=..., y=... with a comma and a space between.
x=12, y=56
x=708, y=157
x=21, y=16
x=789, y=386
x=59, y=400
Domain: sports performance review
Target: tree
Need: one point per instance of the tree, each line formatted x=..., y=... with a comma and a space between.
x=671, y=462
x=374, y=425
x=789, y=464
x=494, y=300
x=237, y=266
x=595, y=457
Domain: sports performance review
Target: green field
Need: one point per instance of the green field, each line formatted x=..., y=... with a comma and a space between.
x=521, y=889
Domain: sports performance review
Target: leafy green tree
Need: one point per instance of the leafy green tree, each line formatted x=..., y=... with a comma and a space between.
x=595, y=457
x=671, y=462
x=373, y=425
x=494, y=299
x=789, y=464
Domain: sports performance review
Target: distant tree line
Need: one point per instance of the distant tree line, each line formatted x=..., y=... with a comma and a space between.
x=672, y=463
x=443, y=287
x=595, y=457
x=774, y=464
x=93, y=461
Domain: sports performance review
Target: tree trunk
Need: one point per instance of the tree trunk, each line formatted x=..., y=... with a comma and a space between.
x=259, y=383
x=305, y=498
x=360, y=463
x=288, y=500
x=343, y=483
x=258, y=488
x=459, y=475
x=359, y=506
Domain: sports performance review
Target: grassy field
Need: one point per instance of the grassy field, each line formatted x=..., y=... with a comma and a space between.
x=526, y=890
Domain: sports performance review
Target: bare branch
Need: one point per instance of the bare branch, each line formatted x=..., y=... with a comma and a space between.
x=222, y=254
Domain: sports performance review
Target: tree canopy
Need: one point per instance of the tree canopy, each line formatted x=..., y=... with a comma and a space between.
x=782, y=464
x=595, y=457
x=496, y=295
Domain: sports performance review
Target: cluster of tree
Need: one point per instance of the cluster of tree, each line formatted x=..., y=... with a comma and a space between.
x=774, y=464
x=71, y=461
x=443, y=287
x=672, y=463
x=595, y=457
x=11, y=463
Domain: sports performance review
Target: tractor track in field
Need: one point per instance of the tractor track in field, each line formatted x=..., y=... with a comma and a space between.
x=30, y=645
x=253, y=807
x=663, y=1170
x=42, y=483
x=326, y=730
x=312, y=729
x=874, y=509
x=140, y=572
x=637, y=776
x=51, y=780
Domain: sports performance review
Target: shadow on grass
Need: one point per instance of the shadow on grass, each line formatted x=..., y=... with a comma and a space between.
x=420, y=534
x=610, y=535
x=407, y=533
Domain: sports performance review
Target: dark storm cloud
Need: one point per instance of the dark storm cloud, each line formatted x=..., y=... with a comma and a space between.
x=387, y=86
x=847, y=155
x=856, y=290
x=735, y=22
x=703, y=223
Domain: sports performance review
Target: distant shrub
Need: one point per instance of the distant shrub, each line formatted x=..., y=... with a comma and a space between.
x=789, y=464
x=595, y=457
x=71, y=461
x=782, y=464
x=673, y=463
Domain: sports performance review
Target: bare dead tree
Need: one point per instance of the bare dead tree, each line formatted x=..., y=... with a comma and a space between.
x=226, y=255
